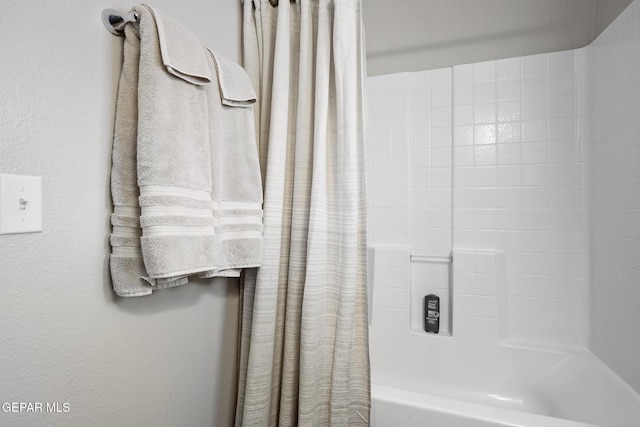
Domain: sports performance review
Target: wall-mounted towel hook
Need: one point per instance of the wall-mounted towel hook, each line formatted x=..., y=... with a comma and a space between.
x=114, y=21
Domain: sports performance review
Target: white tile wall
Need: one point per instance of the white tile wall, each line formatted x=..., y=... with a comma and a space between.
x=516, y=160
x=479, y=295
x=400, y=280
x=409, y=187
x=389, y=289
x=409, y=160
x=430, y=159
x=429, y=277
x=613, y=144
x=518, y=188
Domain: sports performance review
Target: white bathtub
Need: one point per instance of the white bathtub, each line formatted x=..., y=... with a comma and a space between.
x=507, y=386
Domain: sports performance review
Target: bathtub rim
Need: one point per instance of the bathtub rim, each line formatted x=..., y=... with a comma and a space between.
x=486, y=412
x=463, y=409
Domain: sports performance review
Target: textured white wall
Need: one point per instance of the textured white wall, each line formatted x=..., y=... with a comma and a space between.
x=167, y=359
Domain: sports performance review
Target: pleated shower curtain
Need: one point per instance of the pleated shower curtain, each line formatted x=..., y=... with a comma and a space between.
x=304, y=358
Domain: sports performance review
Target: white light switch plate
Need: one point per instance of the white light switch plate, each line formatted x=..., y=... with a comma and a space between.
x=20, y=204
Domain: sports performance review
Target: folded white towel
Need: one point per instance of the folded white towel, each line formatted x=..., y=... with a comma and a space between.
x=181, y=51
x=184, y=162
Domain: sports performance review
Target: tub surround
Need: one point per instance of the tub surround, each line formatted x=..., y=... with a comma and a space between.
x=494, y=163
x=612, y=145
x=545, y=208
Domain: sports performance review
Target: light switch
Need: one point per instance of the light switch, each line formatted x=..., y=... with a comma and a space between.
x=20, y=204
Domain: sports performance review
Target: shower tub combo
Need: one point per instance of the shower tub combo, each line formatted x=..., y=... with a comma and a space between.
x=471, y=374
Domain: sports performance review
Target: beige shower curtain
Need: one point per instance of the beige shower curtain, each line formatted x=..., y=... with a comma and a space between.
x=304, y=358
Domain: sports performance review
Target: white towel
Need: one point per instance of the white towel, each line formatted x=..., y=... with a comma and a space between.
x=177, y=145
x=236, y=182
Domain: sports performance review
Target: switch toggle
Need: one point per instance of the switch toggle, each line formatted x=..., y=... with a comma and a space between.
x=20, y=204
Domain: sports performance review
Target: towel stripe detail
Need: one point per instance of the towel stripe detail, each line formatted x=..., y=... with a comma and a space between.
x=240, y=235
x=129, y=211
x=161, y=190
x=122, y=231
x=126, y=251
x=176, y=230
x=228, y=220
x=221, y=206
x=175, y=211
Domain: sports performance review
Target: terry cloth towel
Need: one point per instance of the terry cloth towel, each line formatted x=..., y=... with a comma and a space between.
x=236, y=181
x=183, y=120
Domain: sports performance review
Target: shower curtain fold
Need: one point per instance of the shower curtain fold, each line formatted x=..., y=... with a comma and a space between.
x=303, y=356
